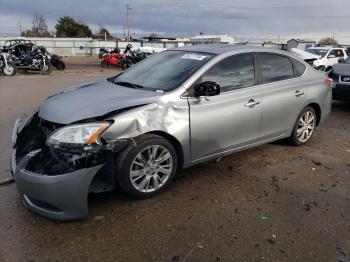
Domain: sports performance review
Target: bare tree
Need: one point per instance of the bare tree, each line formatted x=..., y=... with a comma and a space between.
x=153, y=36
x=39, y=28
x=328, y=41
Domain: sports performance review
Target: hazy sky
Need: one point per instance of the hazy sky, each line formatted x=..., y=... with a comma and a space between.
x=250, y=18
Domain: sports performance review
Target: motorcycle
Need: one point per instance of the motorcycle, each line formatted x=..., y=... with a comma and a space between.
x=6, y=66
x=132, y=58
x=116, y=58
x=57, y=61
x=113, y=59
x=104, y=52
x=36, y=60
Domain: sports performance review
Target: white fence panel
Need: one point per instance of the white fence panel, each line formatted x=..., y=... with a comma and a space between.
x=87, y=46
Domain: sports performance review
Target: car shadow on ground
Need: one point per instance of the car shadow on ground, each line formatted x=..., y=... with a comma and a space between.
x=341, y=106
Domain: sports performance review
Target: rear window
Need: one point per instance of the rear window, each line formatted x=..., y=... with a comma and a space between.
x=298, y=67
x=275, y=68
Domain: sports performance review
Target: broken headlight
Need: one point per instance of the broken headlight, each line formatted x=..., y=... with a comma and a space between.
x=80, y=135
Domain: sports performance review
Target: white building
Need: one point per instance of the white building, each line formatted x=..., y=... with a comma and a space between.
x=212, y=39
x=301, y=44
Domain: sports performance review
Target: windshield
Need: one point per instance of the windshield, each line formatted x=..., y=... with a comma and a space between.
x=319, y=52
x=164, y=71
x=347, y=61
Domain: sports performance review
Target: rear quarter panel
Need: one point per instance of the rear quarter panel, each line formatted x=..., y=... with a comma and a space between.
x=318, y=92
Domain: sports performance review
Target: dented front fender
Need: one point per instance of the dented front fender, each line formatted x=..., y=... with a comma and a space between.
x=165, y=116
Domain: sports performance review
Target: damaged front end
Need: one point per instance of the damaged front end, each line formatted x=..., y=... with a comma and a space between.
x=55, y=169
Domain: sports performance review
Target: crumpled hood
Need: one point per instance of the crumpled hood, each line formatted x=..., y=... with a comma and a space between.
x=342, y=69
x=92, y=100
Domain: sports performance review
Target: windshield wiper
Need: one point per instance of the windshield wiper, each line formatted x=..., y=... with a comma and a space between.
x=128, y=84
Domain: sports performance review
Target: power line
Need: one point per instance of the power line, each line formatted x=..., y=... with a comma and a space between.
x=245, y=17
x=277, y=7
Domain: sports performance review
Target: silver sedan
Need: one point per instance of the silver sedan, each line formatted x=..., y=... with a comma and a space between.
x=173, y=110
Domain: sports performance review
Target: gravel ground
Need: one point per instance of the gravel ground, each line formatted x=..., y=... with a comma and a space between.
x=271, y=203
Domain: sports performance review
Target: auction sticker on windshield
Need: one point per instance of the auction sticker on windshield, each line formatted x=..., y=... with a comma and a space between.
x=194, y=56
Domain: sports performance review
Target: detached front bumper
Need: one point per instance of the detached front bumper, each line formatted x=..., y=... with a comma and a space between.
x=61, y=197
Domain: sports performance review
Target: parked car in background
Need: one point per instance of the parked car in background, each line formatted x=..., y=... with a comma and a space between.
x=173, y=110
x=304, y=55
x=341, y=80
x=328, y=56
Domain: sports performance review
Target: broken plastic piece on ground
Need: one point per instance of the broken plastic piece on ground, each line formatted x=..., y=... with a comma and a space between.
x=100, y=217
x=263, y=217
x=271, y=241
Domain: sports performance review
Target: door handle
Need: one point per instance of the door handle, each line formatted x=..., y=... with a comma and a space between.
x=298, y=93
x=251, y=103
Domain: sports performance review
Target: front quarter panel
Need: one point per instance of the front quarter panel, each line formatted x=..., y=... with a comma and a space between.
x=167, y=115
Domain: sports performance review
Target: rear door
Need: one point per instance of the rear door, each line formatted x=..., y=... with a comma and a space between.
x=283, y=93
x=232, y=118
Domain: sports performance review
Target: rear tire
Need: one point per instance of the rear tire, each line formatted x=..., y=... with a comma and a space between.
x=304, y=127
x=146, y=168
x=61, y=65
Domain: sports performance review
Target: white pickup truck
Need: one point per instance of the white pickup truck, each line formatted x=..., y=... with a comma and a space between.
x=327, y=56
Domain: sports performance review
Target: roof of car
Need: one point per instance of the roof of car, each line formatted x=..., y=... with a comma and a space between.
x=225, y=48
x=320, y=47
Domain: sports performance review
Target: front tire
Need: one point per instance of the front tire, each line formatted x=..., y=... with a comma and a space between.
x=46, y=70
x=147, y=167
x=304, y=127
x=10, y=69
x=104, y=64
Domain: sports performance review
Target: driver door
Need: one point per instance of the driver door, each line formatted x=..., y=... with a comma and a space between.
x=231, y=119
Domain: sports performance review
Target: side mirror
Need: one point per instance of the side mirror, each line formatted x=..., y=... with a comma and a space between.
x=331, y=56
x=207, y=88
x=341, y=60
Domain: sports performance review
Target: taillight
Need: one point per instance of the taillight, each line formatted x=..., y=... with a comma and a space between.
x=328, y=81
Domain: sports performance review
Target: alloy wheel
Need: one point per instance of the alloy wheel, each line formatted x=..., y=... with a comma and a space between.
x=151, y=168
x=306, y=126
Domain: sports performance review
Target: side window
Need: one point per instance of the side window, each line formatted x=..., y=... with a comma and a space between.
x=275, y=68
x=232, y=73
x=337, y=53
x=298, y=67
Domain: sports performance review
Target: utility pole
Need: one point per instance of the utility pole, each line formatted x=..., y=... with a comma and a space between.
x=128, y=9
x=20, y=28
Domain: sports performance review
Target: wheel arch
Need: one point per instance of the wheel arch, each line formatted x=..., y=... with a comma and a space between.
x=316, y=107
x=175, y=143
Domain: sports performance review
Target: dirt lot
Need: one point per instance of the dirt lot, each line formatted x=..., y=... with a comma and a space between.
x=272, y=203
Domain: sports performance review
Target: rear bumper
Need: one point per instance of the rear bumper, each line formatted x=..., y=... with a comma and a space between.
x=60, y=197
